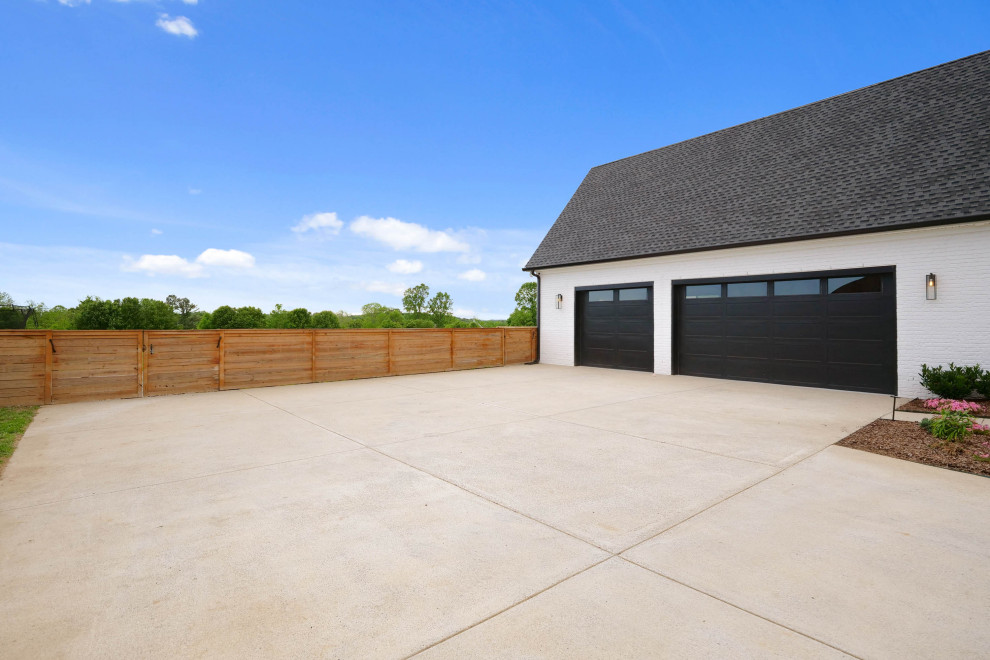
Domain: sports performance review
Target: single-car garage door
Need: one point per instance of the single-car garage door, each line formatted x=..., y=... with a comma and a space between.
x=615, y=326
x=836, y=329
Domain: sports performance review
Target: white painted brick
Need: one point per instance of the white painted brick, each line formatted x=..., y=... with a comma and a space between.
x=955, y=327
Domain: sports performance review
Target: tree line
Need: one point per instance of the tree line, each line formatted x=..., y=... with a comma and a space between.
x=420, y=310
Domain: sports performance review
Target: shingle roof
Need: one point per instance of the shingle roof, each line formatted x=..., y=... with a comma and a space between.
x=910, y=151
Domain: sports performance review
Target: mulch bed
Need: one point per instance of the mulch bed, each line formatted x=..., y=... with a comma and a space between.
x=918, y=405
x=907, y=441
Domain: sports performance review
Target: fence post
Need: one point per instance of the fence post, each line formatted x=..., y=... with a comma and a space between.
x=142, y=339
x=312, y=348
x=451, y=348
x=48, y=367
x=390, y=352
x=220, y=370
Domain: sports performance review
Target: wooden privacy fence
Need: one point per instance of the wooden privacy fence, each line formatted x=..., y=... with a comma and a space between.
x=59, y=366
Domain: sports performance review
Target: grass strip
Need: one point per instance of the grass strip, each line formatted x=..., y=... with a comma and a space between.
x=14, y=421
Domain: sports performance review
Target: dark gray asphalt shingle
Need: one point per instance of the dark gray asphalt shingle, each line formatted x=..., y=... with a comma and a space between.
x=910, y=151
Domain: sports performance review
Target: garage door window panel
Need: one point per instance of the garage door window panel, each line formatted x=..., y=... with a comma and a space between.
x=702, y=291
x=810, y=287
x=633, y=294
x=747, y=290
x=860, y=284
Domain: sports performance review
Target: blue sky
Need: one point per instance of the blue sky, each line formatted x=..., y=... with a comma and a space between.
x=330, y=154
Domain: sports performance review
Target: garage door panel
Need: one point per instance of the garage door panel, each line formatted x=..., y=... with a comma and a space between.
x=800, y=373
x=804, y=329
x=856, y=351
x=703, y=328
x=872, y=327
x=842, y=340
x=703, y=345
x=853, y=376
x=748, y=308
x=632, y=359
x=747, y=349
x=857, y=305
x=784, y=307
x=702, y=365
x=807, y=350
x=747, y=369
x=600, y=326
x=641, y=343
x=760, y=328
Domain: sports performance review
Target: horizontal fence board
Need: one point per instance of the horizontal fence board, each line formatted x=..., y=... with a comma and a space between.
x=22, y=368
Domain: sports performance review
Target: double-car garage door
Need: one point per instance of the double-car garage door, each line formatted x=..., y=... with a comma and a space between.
x=833, y=329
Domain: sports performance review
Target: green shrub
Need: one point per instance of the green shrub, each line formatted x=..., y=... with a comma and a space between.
x=420, y=323
x=983, y=384
x=950, y=383
x=950, y=426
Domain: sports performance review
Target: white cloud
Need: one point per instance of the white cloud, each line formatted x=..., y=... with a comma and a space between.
x=179, y=26
x=156, y=232
x=384, y=287
x=473, y=275
x=190, y=2
x=226, y=258
x=320, y=222
x=401, y=235
x=195, y=191
x=73, y=3
x=163, y=264
x=405, y=267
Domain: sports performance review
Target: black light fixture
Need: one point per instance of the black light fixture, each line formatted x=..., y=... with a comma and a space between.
x=931, y=290
x=560, y=301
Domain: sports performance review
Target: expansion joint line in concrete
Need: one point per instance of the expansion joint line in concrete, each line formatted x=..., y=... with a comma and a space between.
x=741, y=609
x=448, y=482
x=611, y=554
x=506, y=609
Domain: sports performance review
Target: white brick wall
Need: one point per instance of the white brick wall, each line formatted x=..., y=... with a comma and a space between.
x=955, y=327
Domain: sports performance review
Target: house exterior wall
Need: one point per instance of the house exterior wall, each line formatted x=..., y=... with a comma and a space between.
x=953, y=328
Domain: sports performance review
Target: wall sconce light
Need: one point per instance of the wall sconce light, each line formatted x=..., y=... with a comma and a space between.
x=931, y=290
x=560, y=301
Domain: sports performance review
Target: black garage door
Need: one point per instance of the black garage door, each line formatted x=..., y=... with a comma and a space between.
x=835, y=329
x=615, y=327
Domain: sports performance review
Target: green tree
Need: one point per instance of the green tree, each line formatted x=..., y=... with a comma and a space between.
x=205, y=322
x=325, y=319
x=525, y=312
x=393, y=319
x=94, y=313
x=185, y=309
x=521, y=317
x=157, y=315
x=127, y=315
x=414, y=298
x=439, y=308
x=420, y=323
x=277, y=317
x=249, y=317
x=58, y=317
x=223, y=318
x=298, y=318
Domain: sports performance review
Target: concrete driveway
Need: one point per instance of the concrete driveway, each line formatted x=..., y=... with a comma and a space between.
x=530, y=511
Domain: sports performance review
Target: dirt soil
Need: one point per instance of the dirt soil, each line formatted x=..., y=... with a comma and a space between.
x=918, y=405
x=906, y=440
